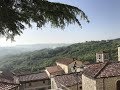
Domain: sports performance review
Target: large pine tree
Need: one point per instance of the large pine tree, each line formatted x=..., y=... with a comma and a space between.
x=14, y=14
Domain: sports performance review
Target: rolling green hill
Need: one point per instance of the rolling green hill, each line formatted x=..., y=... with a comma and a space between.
x=39, y=59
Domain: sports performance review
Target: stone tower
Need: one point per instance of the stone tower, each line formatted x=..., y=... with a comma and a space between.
x=102, y=56
x=118, y=53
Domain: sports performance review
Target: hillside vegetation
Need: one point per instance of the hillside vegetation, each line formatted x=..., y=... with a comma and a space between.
x=39, y=59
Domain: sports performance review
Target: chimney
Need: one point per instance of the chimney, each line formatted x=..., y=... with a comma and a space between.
x=102, y=56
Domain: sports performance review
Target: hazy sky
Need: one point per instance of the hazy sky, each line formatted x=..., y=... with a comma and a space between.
x=104, y=16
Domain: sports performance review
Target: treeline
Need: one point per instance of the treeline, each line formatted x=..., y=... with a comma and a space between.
x=39, y=59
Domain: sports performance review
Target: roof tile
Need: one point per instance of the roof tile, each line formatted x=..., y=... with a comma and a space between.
x=4, y=86
x=68, y=79
x=33, y=77
x=103, y=70
x=65, y=61
x=55, y=70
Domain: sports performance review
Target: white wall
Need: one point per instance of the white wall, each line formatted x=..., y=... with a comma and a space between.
x=64, y=67
x=118, y=53
x=88, y=83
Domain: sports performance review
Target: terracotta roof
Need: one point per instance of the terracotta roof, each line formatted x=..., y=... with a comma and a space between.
x=6, y=80
x=7, y=77
x=103, y=70
x=33, y=77
x=5, y=86
x=68, y=79
x=65, y=61
x=55, y=70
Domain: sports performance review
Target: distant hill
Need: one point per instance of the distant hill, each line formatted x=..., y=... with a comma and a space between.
x=39, y=59
x=26, y=48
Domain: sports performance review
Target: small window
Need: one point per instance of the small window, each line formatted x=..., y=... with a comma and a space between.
x=118, y=85
x=99, y=56
x=80, y=87
x=43, y=81
x=30, y=84
x=106, y=56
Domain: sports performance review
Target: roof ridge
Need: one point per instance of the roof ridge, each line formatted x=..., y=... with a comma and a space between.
x=69, y=74
x=31, y=73
x=101, y=70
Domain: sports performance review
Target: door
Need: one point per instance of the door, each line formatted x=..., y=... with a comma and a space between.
x=118, y=85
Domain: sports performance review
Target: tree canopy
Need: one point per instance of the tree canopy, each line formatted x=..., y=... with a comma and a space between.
x=15, y=14
x=39, y=59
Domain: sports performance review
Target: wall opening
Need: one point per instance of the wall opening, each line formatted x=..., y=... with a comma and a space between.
x=118, y=85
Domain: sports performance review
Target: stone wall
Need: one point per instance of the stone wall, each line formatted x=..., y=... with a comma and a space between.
x=88, y=83
x=75, y=87
x=102, y=57
x=64, y=67
x=43, y=85
x=118, y=53
x=53, y=84
x=109, y=83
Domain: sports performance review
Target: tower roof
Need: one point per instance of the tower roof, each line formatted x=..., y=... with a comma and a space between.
x=101, y=52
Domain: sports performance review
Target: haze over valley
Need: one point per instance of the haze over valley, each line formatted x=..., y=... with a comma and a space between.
x=25, y=58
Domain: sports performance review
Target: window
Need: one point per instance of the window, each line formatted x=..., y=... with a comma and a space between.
x=99, y=56
x=105, y=56
x=43, y=81
x=80, y=87
x=30, y=84
x=118, y=85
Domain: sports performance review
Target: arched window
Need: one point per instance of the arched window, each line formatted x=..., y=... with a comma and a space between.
x=118, y=85
x=99, y=56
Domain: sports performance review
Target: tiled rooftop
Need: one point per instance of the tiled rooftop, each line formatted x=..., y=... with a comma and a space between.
x=103, y=70
x=68, y=79
x=33, y=77
x=55, y=70
x=4, y=86
x=65, y=61
x=6, y=77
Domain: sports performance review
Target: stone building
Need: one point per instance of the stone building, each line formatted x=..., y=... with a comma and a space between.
x=70, y=81
x=67, y=64
x=41, y=81
x=62, y=76
x=8, y=81
x=38, y=81
x=63, y=66
x=102, y=56
x=102, y=76
x=54, y=70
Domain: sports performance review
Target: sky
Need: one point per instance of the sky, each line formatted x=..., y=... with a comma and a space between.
x=104, y=16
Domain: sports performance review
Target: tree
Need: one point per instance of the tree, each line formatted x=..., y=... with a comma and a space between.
x=15, y=14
